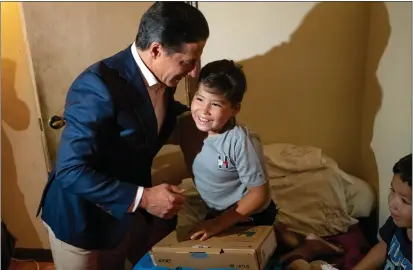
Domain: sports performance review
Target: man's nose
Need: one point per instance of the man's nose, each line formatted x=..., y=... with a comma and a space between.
x=195, y=70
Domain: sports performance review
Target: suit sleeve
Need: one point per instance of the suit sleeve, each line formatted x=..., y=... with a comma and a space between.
x=179, y=109
x=88, y=114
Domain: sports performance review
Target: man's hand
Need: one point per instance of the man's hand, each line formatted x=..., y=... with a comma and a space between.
x=163, y=201
x=207, y=229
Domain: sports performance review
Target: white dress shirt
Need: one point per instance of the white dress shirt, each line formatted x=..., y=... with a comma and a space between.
x=151, y=83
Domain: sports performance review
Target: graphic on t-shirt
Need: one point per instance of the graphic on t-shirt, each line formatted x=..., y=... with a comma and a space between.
x=395, y=259
x=223, y=162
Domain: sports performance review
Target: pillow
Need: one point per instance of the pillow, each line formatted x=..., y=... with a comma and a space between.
x=360, y=196
x=312, y=202
x=285, y=158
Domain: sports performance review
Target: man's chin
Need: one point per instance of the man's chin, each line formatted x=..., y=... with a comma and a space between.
x=173, y=83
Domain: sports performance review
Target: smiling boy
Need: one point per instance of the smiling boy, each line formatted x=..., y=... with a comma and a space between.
x=394, y=251
x=229, y=172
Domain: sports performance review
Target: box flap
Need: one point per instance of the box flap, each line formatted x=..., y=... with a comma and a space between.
x=200, y=250
x=247, y=239
x=188, y=250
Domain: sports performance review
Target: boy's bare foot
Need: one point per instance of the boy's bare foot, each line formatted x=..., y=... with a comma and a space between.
x=322, y=246
x=288, y=238
x=313, y=246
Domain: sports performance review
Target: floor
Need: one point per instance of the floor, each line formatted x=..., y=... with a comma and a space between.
x=31, y=265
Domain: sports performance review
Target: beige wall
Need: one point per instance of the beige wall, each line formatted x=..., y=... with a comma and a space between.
x=23, y=167
x=392, y=134
x=304, y=64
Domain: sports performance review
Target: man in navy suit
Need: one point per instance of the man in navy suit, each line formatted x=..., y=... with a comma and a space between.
x=99, y=205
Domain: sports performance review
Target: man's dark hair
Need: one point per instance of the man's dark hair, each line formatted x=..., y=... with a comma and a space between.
x=171, y=24
x=227, y=77
x=404, y=168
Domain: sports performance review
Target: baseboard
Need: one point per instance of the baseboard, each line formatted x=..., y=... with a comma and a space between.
x=37, y=254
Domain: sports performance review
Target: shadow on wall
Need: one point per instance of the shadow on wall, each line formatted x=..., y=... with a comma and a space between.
x=310, y=90
x=15, y=115
x=379, y=35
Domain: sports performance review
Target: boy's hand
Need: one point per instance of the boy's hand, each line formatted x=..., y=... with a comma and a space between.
x=207, y=229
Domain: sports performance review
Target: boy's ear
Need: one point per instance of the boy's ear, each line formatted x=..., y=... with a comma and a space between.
x=237, y=108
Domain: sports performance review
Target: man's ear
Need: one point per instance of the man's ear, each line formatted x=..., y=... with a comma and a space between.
x=155, y=50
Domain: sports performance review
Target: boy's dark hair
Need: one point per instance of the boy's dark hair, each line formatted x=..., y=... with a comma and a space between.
x=227, y=77
x=404, y=168
x=171, y=24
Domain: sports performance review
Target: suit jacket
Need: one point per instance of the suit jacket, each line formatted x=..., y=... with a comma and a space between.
x=105, y=152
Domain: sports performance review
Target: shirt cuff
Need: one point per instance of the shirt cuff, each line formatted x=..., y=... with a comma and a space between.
x=138, y=198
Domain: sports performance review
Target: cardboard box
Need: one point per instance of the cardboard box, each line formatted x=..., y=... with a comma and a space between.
x=238, y=248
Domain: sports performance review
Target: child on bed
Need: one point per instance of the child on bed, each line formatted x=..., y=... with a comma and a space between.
x=229, y=171
x=394, y=251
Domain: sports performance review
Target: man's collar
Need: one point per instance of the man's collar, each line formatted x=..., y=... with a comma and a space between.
x=149, y=78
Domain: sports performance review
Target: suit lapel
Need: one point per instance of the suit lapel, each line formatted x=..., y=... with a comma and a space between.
x=135, y=92
x=143, y=108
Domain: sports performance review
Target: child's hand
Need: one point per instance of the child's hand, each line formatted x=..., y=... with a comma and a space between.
x=207, y=229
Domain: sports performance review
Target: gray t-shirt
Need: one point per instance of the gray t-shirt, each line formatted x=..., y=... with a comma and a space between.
x=227, y=164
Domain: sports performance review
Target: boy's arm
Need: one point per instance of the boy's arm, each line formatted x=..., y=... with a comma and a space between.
x=253, y=200
x=374, y=259
x=250, y=163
